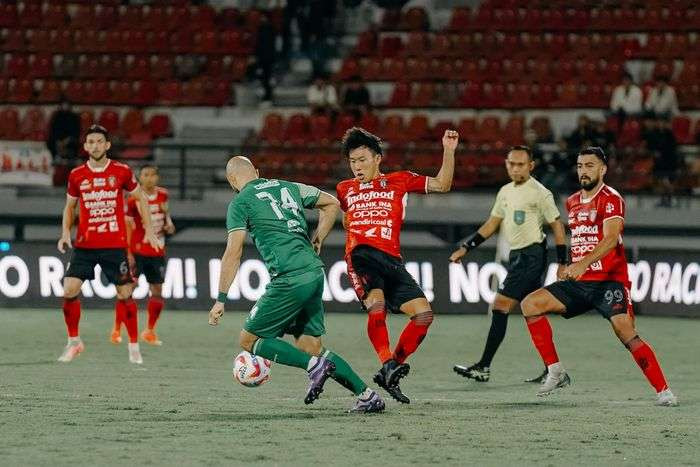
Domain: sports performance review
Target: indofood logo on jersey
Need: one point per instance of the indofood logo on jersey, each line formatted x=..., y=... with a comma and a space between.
x=370, y=195
x=584, y=230
x=100, y=195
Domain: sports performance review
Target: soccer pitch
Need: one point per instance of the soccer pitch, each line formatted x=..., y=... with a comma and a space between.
x=183, y=407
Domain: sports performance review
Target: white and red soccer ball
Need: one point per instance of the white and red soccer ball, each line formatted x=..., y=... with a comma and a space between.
x=250, y=370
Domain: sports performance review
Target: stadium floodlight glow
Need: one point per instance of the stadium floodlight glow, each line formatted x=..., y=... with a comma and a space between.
x=4, y=246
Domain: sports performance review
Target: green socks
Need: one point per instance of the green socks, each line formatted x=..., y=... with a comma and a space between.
x=281, y=352
x=285, y=353
x=344, y=375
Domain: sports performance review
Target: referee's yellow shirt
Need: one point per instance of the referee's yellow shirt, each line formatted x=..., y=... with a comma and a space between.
x=524, y=209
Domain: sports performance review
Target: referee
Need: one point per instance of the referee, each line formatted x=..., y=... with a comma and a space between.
x=522, y=207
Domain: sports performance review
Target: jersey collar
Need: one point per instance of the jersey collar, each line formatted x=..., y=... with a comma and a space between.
x=588, y=200
x=98, y=169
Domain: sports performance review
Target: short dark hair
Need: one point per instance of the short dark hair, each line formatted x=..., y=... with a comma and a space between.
x=148, y=166
x=357, y=137
x=522, y=147
x=97, y=129
x=596, y=151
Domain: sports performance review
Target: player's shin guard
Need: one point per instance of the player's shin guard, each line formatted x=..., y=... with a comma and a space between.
x=344, y=374
x=377, y=331
x=281, y=352
x=412, y=335
x=541, y=334
x=499, y=322
x=71, y=315
x=645, y=357
x=155, y=306
x=131, y=318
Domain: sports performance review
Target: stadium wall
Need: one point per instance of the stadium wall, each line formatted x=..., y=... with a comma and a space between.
x=664, y=282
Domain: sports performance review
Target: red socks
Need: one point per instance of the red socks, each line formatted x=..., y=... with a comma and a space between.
x=541, y=334
x=155, y=306
x=412, y=335
x=377, y=332
x=127, y=308
x=71, y=315
x=119, y=314
x=645, y=357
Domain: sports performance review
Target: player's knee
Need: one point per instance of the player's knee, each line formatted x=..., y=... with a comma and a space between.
x=123, y=293
x=156, y=290
x=377, y=306
x=424, y=318
x=529, y=306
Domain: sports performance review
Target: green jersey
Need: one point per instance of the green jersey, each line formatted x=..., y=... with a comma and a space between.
x=273, y=212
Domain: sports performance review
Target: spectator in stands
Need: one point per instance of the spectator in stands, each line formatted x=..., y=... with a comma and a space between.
x=583, y=135
x=295, y=10
x=661, y=143
x=661, y=101
x=626, y=100
x=603, y=138
x=321, y=14
x=356, y=98
x=553, y=167
x=322, y=97
x=63, y=141
x=266, y=55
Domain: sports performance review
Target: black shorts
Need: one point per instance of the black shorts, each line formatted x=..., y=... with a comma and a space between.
x=153, y=267
x=370, y=268
x=609, y=298
x=112, y=261
x=526, y=269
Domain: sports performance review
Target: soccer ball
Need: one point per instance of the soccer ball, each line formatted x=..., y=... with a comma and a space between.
x=250, y=370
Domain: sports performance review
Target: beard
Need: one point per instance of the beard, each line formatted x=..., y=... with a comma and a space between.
x=98, y=158
x=588, y=183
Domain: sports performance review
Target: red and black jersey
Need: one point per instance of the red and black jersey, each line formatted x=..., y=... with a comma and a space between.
x=157, y=205
x=586, y=219
x=374, y=211
x=101, y=197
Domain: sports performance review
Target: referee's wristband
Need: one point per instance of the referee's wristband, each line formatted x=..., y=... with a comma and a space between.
x=222, y=297
x=473, y=241
x=562, y=254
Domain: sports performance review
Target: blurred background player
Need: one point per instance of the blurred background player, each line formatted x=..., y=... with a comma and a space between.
x=597, y=278
x=273, y=211
x=522, y=207
x=143, y=258
x=374, y=210
x=99, y=186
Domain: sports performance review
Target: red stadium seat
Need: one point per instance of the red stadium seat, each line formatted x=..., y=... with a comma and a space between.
x=49, y=93
x=542, y=128
x=122, y=93
x=370, y=122
x=20, y=91
x=342, y=123
x=87, y=118
x=272, y=129
x=630, y=134
x=423, y=95
x=681, y=129
x=110, y=120
x=145, y=93
x=415, y=19
x=141, y=141
x=16, y=66
x=514, y=130
x=460, y=20
x=390, y=46
x=30, y=15
x=393, y=130
x=489, y=130
x=153, y=18
x=440, y=127
x=418, y=128
x=40, y=66
x=159, y=125
x=3, y=89
x=401, y=95
x=296, y=133
x=140, y=68
x=9, y=124
x=8, y=15
x=169, y=92
x=33, y=125
x=132, y=122
x=320, y=128
x=366, y=44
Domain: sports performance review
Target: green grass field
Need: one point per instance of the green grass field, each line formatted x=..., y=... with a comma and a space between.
x=183, y=407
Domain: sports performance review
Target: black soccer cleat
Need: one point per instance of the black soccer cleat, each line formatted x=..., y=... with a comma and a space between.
x=539, y=379
x=476, y=372
x=388, y=378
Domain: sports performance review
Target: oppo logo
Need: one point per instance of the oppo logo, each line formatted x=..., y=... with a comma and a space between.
x=371, y=213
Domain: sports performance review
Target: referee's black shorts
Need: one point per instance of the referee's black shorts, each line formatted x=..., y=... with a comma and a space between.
x=526, y=271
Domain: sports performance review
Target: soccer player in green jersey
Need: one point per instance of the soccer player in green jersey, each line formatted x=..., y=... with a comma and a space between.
x=273, y=212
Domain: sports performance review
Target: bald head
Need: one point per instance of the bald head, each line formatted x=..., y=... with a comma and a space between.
x=239, y=171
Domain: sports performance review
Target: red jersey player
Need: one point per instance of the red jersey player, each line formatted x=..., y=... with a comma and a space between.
x=374, y=210
x=143, y=258
x=596, y=278
x=99, y=185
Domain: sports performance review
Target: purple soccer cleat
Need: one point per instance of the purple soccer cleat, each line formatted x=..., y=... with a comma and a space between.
x=318, y=375
x=374, y=404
